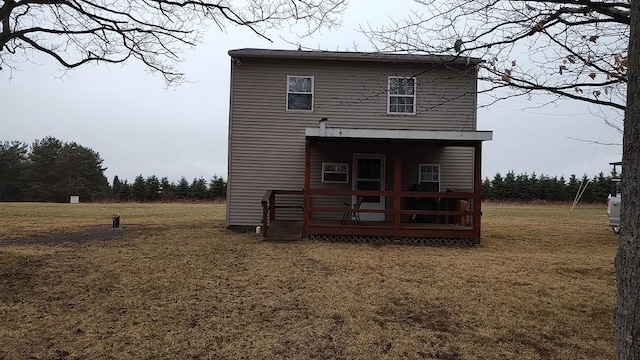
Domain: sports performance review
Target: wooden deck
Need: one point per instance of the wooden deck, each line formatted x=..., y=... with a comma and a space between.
x=387, y=229
x=397, y=227
x=291, y=230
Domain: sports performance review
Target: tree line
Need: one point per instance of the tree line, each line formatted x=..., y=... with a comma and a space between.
x=152, y=189
x=524, y=187
x=51, y=170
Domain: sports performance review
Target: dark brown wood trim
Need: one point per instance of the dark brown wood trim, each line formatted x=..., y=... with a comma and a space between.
x=306, y=205
x=477, y=200
x=272, y=207
x=266, y=197
x=338, y=209
x=444, y=195
x=265, y=223
x=397, y=189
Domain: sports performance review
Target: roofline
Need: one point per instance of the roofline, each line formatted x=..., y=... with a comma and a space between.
x=353, y=56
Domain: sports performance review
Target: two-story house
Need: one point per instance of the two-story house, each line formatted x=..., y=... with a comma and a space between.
x=348, y=145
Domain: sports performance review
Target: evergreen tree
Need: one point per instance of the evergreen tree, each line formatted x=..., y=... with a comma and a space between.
x=544, y=185
x=217, y=188
x=560, y=189
x=523, y=188
x=42, y=175
x=167, y=189
x=152, y=188
x=183, y=191
x=497, y=187
x=511, y=191
x=115, y=189
x=587, y=189
x=13, y=164
x=601, y=187
x=487, y=193
x=199, y=189
x=572, y=187
x=80, y=173
x=57, y=170
x=138, y=189
x=534, y=185
x=125, y=191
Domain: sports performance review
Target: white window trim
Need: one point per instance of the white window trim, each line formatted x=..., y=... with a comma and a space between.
x=420, y=174
x=346, y=165
x=313, y=97
x=415, y=97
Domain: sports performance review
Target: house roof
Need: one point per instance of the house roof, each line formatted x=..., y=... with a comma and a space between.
x=354, y=56
x=436, y=135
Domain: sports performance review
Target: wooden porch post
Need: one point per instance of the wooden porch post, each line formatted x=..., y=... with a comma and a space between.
x=397, y=189
x=307, y=187
x=265, y=222
x=477, y=191
x=272, y=207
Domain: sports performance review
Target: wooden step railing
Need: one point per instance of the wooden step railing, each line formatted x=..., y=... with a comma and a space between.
x=269, y=206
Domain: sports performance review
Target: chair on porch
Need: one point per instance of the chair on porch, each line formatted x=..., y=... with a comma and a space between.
x=352, y=209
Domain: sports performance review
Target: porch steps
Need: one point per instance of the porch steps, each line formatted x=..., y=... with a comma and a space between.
x=284, y=230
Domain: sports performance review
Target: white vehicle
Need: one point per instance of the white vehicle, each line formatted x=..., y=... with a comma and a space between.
x=613, y=201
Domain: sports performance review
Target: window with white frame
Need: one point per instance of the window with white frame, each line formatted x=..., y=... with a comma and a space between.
x=300, y=93
x=402, y=95
x=429, y=174
x=335, y=172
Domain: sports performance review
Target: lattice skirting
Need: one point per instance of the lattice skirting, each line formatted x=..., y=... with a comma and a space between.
x=352, y=238
x=373, y=239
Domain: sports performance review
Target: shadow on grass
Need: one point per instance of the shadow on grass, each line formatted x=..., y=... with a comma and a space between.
x=95, y=233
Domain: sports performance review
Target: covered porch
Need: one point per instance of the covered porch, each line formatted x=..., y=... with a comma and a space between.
x=382, y=185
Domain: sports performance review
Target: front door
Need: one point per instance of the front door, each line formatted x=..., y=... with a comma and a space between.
x=368, y=174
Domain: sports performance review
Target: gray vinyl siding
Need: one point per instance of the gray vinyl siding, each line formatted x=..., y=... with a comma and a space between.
x=267, y=142
x=456, y=167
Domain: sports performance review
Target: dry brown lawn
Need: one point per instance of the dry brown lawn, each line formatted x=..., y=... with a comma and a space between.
x=175, y=284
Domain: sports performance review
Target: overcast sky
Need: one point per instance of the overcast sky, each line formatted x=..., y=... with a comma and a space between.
x=140, y=127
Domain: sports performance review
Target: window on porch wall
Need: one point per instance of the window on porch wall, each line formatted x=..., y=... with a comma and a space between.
x=429, y=174
x=335, y=172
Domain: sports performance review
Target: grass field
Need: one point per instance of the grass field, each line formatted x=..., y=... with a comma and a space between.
x=177, y=285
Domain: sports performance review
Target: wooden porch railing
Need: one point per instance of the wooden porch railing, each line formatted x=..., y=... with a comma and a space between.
x=467, y=215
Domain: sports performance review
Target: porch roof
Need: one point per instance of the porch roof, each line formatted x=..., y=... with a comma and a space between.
x=437, y=135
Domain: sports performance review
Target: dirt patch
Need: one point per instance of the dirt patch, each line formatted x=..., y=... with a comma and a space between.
x=95, y=233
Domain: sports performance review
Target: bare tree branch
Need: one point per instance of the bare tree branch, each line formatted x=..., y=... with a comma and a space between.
x=76, y=32
x=594, y=142
x=570, y=48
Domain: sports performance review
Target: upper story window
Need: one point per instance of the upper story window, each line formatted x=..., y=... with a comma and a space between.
x=402, y=95
x=300, y=93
